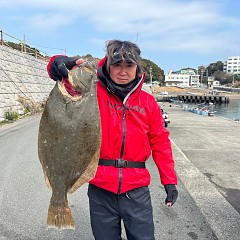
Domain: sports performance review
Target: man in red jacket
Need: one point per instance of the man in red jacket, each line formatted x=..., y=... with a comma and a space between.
x=132, y=130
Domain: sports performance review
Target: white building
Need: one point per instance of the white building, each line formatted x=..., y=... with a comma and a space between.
x=232, y=65
x=216, y=83
x=183, y=78
x=210, y=81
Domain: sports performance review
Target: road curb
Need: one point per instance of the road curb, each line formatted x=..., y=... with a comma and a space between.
x=222, y=218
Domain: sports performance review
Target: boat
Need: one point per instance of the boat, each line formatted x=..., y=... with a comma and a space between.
x=205, y=110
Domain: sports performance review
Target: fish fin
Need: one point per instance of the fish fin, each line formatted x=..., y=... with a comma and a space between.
x=60, y=216
x=87, y=175
x=45, y=174
x=47, y=182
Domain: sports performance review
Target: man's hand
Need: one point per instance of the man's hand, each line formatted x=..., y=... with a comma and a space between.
x=60, y=66
x=172, y=194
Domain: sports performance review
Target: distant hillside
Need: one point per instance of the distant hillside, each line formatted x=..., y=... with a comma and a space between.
x=25, y=48
x=90, y=58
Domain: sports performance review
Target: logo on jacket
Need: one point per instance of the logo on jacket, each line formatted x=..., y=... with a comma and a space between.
x=120, y=107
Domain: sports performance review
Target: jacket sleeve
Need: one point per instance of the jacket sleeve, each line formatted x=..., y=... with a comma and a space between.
x=161, y=146
x=50, y=62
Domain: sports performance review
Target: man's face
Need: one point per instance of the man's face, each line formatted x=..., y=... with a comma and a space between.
x=123, y=72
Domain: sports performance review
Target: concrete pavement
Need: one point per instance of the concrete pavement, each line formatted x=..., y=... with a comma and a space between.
x=24, y=197
x=206, y=154
x=206, y=151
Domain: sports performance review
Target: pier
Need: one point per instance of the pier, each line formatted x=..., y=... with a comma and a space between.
x=186, y=98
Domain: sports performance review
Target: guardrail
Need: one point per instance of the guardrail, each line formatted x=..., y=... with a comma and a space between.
x=21, y=46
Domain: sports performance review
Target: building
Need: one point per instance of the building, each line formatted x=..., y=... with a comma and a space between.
x=185, y=77
x=210, y=81
x=232, y=65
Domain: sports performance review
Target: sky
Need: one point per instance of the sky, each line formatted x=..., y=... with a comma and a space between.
x=173, y=34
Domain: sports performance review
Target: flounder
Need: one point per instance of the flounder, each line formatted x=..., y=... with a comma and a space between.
x=69, y=140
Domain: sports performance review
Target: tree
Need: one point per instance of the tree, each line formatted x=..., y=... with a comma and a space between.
x=222, y=77
x=225, y=78
x=214, y=67
x=157, y=72
x=203, y=72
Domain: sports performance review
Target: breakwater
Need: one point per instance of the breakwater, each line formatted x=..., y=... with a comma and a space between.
x=22, y=78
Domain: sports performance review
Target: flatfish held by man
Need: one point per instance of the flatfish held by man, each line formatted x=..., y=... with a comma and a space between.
x=69, y=140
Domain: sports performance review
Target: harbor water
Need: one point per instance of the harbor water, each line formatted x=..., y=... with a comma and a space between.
x=228, y=110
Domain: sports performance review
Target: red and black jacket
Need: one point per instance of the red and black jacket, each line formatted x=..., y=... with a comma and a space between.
x=132, y=130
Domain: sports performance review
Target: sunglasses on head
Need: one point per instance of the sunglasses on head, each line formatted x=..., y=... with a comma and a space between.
x=117, y=57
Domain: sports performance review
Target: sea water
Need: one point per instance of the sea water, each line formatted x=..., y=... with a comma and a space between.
x=228, y=110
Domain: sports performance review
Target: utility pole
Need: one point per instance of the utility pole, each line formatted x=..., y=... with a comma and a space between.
x=201, y=77
x=24, y=46
x=150, y=72
x=1, y=41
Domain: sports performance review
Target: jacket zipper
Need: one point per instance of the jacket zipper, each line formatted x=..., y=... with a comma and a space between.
x=122, y=147
x=124, y=131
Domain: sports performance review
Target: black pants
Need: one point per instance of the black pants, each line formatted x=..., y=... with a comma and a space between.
x=134, y=208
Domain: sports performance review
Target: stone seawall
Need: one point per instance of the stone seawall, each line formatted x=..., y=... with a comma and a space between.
x=21, y=76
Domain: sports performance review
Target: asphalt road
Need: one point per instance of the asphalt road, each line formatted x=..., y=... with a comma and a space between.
x=24, y=197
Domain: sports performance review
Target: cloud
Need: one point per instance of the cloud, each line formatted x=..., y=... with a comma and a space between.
x=50, y=21
x=174, y=25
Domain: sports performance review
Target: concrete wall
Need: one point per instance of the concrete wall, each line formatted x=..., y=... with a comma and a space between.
x=21, y=75
x=227, y=89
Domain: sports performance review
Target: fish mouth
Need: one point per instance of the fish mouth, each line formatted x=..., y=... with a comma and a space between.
x=69, y=90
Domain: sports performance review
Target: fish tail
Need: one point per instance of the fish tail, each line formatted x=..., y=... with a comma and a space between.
x=60, y=216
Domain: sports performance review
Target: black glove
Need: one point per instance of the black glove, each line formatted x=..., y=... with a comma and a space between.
x=60, y=66
x=172, y=193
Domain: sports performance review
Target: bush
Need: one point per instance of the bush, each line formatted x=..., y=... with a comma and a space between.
x=10, y=115
x=30, y=107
